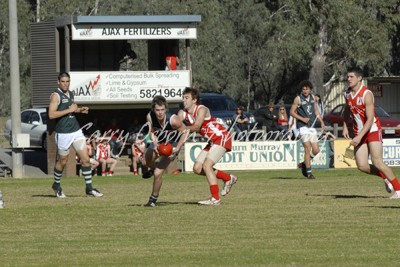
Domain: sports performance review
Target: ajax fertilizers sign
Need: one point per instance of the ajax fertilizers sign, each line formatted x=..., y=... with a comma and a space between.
x=129, y=31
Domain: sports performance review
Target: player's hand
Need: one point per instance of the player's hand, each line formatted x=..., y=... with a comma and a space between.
x=174, y=153
x=84, y=110
x=156, y=149
x=73, y=107
x=323, y=127
x=346, y=133
x=356, y=141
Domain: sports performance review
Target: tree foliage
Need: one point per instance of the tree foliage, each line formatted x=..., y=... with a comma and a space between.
x=256, y=51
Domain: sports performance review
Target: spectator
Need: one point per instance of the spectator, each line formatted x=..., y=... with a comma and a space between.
x=283, y=121
x=137, y=147
x=241, y=119
x=134, y=126
x=320, y=104
x=271, y=119
x=172, y=59
x=116, y=144
x=127, y=58
x=103, y=155
x=91, y=153
x=93, y=162
x=241, y=122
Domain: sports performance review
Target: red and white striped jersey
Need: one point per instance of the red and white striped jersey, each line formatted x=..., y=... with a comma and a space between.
x=102, y=151
x=214, y=131
x=357, y=108
x=139, y=146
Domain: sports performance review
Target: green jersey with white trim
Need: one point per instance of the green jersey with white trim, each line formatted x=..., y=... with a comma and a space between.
x=67, y=123
x=306, y=109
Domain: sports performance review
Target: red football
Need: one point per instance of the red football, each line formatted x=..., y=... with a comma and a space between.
x=165, y=149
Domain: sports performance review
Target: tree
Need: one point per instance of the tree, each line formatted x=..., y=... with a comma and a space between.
x=24, y=18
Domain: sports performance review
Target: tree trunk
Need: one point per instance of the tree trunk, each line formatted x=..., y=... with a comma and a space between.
x=318, y=62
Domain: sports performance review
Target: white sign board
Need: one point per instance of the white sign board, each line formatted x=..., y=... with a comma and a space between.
x=132, y=31
x=391, y=152
x=128, y=86
x=249, y=155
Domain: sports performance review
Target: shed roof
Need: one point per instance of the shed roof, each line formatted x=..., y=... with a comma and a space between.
x=61, y=22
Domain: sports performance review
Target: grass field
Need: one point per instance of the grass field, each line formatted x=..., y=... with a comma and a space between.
x=271, y=218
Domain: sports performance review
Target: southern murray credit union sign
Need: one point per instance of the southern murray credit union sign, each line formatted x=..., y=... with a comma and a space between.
x=249, y=155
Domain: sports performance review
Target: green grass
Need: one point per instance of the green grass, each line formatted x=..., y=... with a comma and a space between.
x=271, y=218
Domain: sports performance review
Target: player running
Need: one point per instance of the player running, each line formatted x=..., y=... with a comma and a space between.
x=197, y=118
x=367, y=129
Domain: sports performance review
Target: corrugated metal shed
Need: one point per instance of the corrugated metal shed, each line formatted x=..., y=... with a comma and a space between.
x=128, y=19
x=48, y=48
x=43, y=65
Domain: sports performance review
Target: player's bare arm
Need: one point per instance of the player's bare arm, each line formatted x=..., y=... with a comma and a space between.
x=346, y=117
x=53, y=106
x=177, y=124
x=153, y=137
x=201, y=115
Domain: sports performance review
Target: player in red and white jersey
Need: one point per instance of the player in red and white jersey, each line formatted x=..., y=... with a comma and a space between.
x=138, y=148
x=197, y=118
x=367, y=139
x=103, y=155
x=355, y=101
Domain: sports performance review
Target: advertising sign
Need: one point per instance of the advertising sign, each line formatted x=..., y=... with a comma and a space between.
x=128, y=86
x=321, y=161
x=344, y=154
x=249, y=155
x=129, y=31
x=343, y=159
x=391, y=152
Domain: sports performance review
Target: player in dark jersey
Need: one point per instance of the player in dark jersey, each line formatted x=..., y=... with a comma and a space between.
x=62, y=108
x=166, y=129
x=306, y=112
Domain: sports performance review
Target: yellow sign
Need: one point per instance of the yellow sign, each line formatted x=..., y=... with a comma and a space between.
x=344, y=154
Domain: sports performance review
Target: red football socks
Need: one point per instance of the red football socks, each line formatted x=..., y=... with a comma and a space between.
x=223, y=175
x=214, y=191
x=395, y=184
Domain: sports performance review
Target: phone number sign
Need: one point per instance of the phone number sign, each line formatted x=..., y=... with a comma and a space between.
x=391, y=152
x=128, y=86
